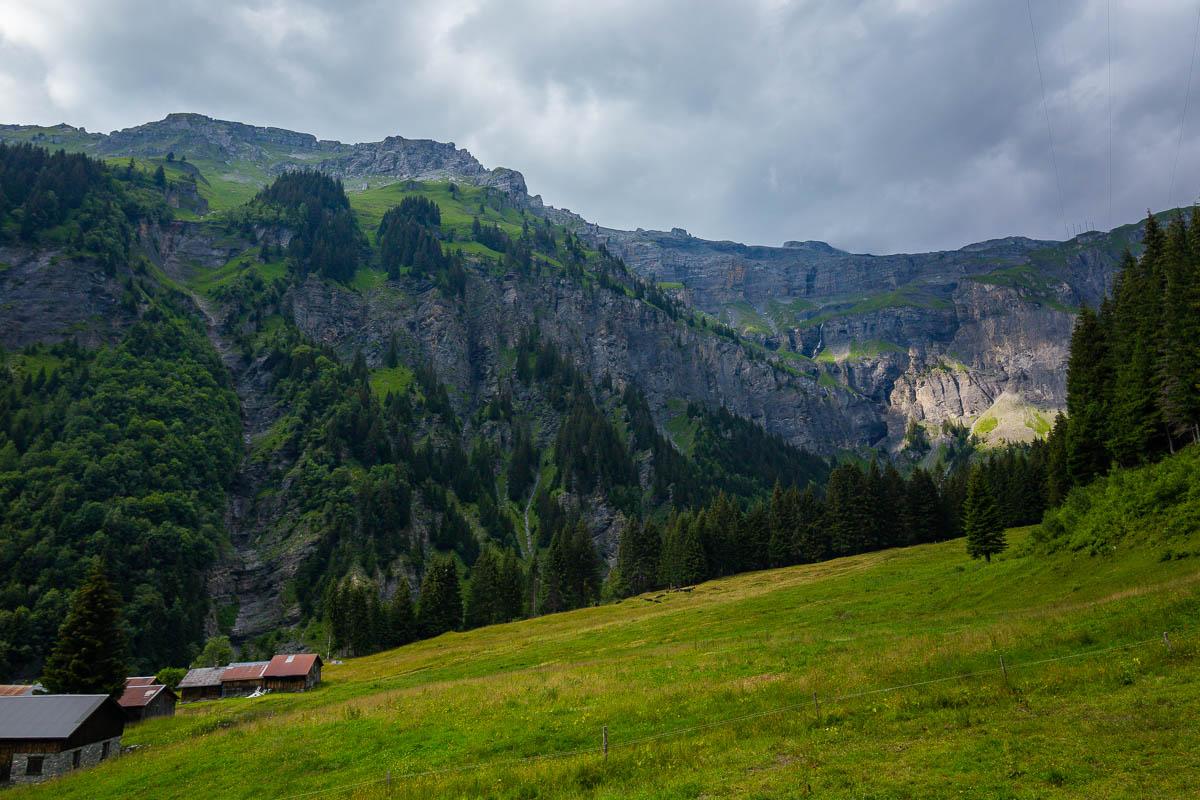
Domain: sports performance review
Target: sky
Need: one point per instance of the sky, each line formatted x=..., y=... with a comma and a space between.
x=875, y=125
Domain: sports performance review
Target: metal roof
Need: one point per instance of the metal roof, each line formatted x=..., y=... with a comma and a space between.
x=202, y=676
x=15, y=690
x=46, y=716
x=291, y=665
x=244, y=671
x=146, y=680
x=139, y=696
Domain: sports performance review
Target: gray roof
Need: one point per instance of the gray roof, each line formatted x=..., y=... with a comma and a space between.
x=47, y=716
x=202, y=676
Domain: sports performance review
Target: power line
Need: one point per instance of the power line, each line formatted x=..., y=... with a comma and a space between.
x=1187, y=95
x=1062, y=214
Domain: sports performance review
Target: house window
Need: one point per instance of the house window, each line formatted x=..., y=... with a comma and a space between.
x=75, y=759
x=104, y=751
x=33, y=765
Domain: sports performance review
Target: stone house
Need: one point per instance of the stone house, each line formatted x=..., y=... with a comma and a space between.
x=143, y=698
x=293, y=672
x=43, y=736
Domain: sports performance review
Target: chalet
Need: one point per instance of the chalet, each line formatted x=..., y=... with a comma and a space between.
x=242, y=678
x=202, y=683
x=295, y=672
x=43, y=736
x=143, y=698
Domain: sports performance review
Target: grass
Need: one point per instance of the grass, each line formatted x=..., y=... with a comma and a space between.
x=1112, y=725
x=458, y=209
x=388, y=380
x=246, y=262
x=680, y=427
x=859, y=351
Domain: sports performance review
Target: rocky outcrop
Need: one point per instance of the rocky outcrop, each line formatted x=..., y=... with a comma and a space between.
x=48, y=296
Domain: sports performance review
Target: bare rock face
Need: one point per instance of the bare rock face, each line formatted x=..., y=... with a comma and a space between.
x=47, y=297
x=604, y=333
x=930, y=337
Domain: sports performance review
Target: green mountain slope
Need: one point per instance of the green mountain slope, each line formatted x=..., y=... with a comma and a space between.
x=709, y=693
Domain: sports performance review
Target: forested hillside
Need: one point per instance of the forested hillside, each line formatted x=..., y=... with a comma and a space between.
x=453, y=413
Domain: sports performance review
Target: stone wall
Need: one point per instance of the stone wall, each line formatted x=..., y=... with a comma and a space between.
x=56, y=764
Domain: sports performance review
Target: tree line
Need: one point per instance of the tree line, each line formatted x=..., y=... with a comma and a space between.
x=1133, y=376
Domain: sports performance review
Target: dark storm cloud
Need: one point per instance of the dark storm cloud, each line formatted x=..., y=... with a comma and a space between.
x=881, y=125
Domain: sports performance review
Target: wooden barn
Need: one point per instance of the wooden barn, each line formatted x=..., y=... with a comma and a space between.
x=202, y=683
x=43, y=736
x=294, y=672
x=145, y=699
x=242, y=678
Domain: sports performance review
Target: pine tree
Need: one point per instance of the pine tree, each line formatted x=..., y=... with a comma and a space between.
x=1179, y=356
x=922, y=508
x=981, y=519
x=480, y=605
x=638, y=558
x=90, y=656
x=1134, y=422
x=846, y=515
x=1058, y=478
x=812, y=542
x=439, y=608
x=780, y=548
x=401, y=624
x=1086, y=453
x=682, y=561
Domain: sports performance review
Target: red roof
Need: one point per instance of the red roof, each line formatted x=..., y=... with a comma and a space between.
x=15, y=690
x=139, y=695
x=295, y=665
x=244, y=672
x=148, y=680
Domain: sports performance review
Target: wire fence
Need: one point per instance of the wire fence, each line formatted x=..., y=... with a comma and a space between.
x=814, y=703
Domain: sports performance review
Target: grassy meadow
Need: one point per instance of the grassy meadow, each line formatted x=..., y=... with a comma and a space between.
x=667, y=672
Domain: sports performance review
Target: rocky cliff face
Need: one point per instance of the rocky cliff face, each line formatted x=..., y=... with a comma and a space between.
x=930, y=337
x=998, y=313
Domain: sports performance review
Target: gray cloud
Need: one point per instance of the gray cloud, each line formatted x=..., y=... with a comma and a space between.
x=877, y=125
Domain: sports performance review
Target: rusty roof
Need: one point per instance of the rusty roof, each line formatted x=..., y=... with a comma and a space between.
x=15, y=690
x=145, y=680
x=291, y=665
x=244, y=671
x=139, y=695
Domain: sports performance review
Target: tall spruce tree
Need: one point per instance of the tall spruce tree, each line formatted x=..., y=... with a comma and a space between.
x=91, y=654
x=637, y=558
x=1134, y=422
x=1179, y=342
x=402, y=627
x=682, y=561
x=846, y=515
x=480, y=607
x=981, y=519
x=1087, y=376
x=439, y=608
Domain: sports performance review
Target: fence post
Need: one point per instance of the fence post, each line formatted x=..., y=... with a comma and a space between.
x=604, y=741
x=1004, y=669
x=1167, y=642
x=388, y=782
x=817, y=707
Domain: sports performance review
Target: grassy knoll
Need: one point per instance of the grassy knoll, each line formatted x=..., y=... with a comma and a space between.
x=1115, y=724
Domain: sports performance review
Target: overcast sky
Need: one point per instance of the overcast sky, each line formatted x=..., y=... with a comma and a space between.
x=880, y=126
